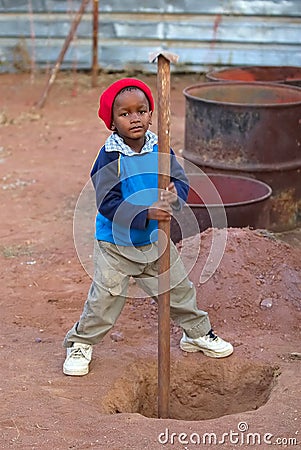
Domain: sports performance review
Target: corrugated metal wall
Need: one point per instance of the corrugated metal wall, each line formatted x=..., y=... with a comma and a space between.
x=203, y=33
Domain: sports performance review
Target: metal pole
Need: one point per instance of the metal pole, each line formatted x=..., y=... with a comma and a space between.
x=60, y=58
x=163, y=89
x=95, y=44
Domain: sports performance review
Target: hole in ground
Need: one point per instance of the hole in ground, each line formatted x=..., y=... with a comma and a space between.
x=199, y=388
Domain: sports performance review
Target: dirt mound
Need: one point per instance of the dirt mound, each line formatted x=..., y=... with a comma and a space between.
x=258, y=279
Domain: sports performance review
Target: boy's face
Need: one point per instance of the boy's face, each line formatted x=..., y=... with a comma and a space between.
x=131, y=116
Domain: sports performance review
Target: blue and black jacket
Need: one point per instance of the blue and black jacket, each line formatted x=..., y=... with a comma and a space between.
x=125, y=186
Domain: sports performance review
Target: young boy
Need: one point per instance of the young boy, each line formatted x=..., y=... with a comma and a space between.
x=125, y=178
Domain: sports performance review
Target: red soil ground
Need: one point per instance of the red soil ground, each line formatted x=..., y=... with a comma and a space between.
x=45, y=159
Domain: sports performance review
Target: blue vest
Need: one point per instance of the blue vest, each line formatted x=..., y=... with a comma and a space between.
x=138, y=174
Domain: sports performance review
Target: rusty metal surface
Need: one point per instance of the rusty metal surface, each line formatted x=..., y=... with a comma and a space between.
x=246, y=202
x=204, y=33
x=251, y=125
x=285, y=202
x=252, y=129
x=278, y=74
x=163, y=87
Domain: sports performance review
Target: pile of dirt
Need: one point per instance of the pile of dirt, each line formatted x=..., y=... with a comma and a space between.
x=258, y=280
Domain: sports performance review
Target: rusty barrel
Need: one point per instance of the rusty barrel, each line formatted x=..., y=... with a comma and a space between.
x=275, y=74
x=222, y=201
x=251, y=129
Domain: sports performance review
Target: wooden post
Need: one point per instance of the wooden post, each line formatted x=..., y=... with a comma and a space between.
x=95, y=44
x=163, y=89
x=60, y=58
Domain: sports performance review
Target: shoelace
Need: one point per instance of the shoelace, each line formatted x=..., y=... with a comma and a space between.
x=77, y=353
x=211, y=335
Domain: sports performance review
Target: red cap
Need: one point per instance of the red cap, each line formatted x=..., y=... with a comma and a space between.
x=108, y=96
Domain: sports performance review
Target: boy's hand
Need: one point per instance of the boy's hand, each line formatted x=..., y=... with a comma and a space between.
x=170, y=194
x=161, y=210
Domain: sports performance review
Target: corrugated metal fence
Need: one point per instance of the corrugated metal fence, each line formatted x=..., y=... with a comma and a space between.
x=203, y=33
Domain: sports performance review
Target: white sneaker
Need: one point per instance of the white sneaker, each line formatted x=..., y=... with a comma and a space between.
x=78, y=359
x=210, y=345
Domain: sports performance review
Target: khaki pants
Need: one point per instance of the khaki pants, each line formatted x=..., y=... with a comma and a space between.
x=114, y=265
